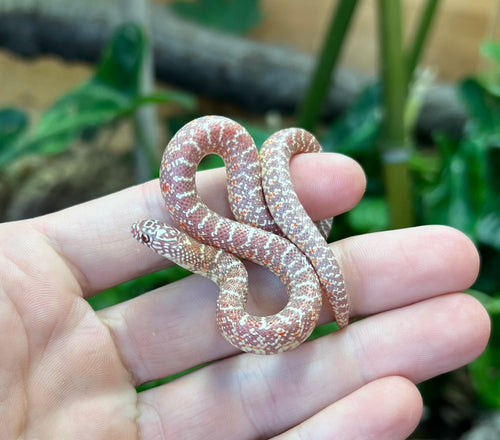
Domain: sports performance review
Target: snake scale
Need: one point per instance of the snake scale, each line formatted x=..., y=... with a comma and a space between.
x=271, y=228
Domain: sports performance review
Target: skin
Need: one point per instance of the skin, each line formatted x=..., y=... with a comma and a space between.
x=68, y=372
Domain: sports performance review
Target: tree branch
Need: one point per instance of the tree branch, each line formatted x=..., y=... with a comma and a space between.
x=256, y=76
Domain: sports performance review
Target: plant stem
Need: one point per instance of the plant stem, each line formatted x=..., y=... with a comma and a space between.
x=421, y=34
x=311, y=106
x=394, y=148
x=145, y=118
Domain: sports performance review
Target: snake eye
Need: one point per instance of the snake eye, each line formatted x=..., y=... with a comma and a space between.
x=145, y=238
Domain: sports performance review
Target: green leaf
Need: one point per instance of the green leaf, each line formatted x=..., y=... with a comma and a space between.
x=489, y=78
x=356, y=131
x=482, y=106
x=185, y=100
x=485, y=375
x=211, y=161
x=493, y=165
x=259, y=134
x=323, y=330
x=491, y=50
x=92, y=105
x=13, y=125
x=485, y=370
x=448, y=202
x=369, y=215
x=120, y=65
x=111, y=94
x=468, y=172
x=96, y=104
x=460, y=194
x=233, y=16
x=426, y=166
x=488, y=230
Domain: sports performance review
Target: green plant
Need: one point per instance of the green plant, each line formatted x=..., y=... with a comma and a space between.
x=397, y=67
x=311, y=105
x=485, y=370
x=465, y=193
x=233, y=16
x=13, y=124
x=111, y=95
x=456, y=184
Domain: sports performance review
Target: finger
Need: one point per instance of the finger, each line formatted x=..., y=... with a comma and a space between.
x=336, y=179
x=251, y=396
x=174, y=327
x=391, y=269
x=387, y=408
x=95, y=236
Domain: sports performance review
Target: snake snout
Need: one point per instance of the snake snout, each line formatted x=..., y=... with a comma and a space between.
x=140, y=233
x=147, y=231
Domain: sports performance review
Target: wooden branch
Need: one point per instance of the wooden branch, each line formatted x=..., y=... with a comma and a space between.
x=256, y=76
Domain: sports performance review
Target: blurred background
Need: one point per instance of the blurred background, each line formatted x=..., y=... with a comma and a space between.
x=91, y=91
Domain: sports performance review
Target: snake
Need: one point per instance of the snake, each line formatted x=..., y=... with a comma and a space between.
x=270, y=228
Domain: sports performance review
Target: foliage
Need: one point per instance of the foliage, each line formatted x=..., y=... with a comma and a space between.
x=333, y=41
x=397, y=66
x=355, y=133
x=465, y=192
x=455, y=184
x=233, y=16
x=478, y=157
x=13, y=124
x=110, y=95
x=485, y=370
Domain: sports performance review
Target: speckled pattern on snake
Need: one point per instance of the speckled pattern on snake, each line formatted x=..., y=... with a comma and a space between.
x=271, y=229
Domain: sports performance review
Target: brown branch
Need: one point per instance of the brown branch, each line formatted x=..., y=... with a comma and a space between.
x=257, y=76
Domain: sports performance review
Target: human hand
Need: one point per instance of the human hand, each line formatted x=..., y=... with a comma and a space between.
x=67, y=372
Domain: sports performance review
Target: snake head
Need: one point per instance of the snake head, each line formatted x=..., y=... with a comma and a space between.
x=155, y=235
x=174, y=245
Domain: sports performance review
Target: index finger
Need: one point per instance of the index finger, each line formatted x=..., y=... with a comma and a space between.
x=95, y=236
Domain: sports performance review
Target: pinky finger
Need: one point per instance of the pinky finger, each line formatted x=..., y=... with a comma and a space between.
x=388, y=408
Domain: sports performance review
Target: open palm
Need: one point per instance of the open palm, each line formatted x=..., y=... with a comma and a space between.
x=67, y=372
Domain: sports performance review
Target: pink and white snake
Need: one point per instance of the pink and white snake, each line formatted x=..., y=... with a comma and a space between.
x=271, y=229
